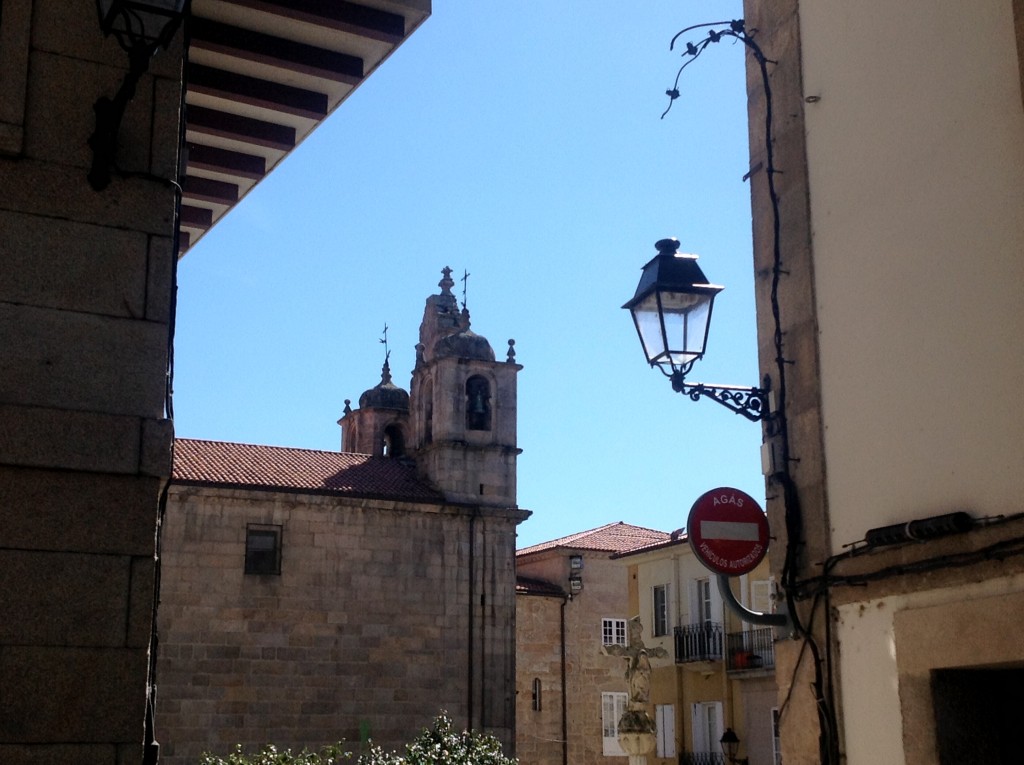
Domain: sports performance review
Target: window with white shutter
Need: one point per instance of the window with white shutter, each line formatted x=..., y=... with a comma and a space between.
x=665, y=720
x=613, y=706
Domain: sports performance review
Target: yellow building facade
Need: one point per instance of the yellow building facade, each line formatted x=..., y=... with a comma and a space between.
x=720, y=670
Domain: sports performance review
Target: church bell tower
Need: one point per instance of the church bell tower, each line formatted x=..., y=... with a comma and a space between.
x=463, y=407
x=379, y=426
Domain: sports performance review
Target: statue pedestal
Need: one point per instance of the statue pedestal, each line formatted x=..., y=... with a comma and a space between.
x=636, y=735
x=637, y=746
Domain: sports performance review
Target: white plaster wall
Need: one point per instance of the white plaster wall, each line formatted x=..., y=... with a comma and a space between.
x=869, y=666
x=916, y=172
x=870, y=692
x=658, y=569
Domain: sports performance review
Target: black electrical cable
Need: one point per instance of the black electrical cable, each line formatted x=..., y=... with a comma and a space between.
x=152, y=748
x=823, y=686
x=1001, y=550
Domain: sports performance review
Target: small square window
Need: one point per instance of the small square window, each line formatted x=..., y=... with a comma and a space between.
x=262, y=549
x=613, y=631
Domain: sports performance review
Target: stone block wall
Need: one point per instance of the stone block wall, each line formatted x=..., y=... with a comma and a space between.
x=539, y=732
x=589, y=672
x=85, y=311
x=469, y=473
x=779, y=37
x=374, y=624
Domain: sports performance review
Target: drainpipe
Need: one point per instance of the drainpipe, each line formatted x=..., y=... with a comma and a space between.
x=482, y=606
x=565, y=716
x=472, y=614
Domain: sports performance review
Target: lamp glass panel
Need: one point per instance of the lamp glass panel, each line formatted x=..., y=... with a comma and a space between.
x=685, y=316
x=648, y=326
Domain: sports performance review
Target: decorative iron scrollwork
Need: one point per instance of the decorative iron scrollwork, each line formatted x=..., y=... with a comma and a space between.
x=752, y=403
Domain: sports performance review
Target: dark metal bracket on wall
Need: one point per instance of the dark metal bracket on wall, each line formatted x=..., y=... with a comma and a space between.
x=780, y=621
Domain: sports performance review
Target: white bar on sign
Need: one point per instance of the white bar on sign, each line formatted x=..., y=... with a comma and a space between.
x=741, y=532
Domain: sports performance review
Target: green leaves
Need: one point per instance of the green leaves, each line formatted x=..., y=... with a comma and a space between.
x=440, y=744
x=335, y=754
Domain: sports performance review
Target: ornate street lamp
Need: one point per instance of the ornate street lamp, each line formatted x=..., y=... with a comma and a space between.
x=730, y=745
x=672, y=313
x=140, y=28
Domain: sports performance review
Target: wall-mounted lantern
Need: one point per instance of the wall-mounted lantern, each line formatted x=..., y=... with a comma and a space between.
x=140, y=28
x=575, y=574
x=672, y=313
x=730, y=745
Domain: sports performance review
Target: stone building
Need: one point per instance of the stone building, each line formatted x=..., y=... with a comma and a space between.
x=887, y=245
x=86, y=307
x=86, y=317
x=572, y=600
x=310, y=596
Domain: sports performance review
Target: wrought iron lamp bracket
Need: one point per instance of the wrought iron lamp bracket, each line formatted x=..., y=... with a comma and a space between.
x=752, y=403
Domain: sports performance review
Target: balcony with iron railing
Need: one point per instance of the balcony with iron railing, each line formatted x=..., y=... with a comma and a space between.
x=702, y=758
x=698, y=642
x=750, y=650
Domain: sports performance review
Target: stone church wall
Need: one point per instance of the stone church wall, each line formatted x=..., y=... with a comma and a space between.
x=367, y=630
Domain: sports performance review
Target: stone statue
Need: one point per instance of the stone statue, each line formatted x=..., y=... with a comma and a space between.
x=638, y=663
x=636, y=727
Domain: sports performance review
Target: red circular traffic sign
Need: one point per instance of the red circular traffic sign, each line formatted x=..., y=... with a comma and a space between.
x=728, y=531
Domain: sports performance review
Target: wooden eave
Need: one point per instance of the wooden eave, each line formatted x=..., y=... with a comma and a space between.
x=261, y=76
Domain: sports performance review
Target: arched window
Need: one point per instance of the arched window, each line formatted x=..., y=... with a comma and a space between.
x=394, y=441
x=428, y=412
x=478, y=403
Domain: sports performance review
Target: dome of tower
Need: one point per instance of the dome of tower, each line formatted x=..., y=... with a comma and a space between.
x=385, y=395
x=464, y=345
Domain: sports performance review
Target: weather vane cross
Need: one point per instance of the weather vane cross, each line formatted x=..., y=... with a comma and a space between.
x=384, y=340
x=465, y=284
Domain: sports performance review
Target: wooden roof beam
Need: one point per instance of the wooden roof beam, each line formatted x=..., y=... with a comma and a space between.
x=273, y=51
x=256, y=92
x=196, y=217
x=225, y=161
x=336, y=14
x=209, y=190
x=200, y=119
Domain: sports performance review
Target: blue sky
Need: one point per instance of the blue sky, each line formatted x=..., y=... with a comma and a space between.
x=520, y=141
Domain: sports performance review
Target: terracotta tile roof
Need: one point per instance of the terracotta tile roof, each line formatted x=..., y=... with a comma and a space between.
x=613, y=538
x=527, y=586
x=677, y=537
x=276, y=468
